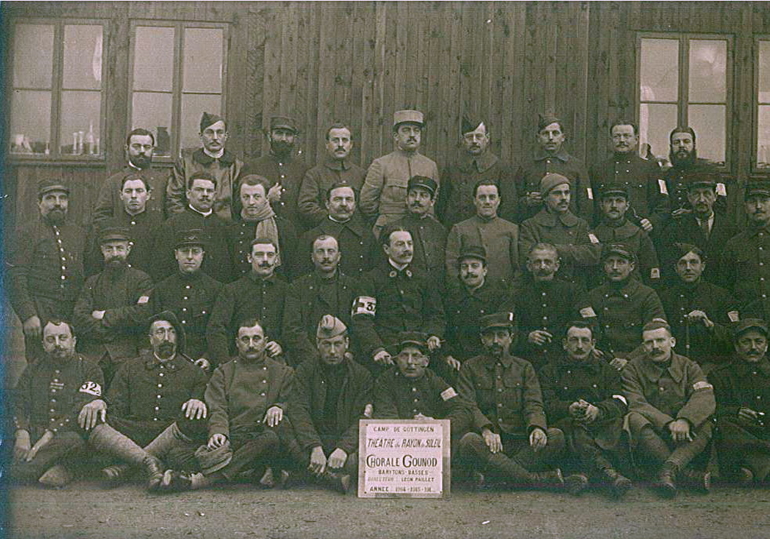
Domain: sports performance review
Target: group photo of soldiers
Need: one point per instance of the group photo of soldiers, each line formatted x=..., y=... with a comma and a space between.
x=582, y=326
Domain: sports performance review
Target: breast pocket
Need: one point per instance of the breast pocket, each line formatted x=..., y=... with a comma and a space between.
x=394, y=190
x=512, y=393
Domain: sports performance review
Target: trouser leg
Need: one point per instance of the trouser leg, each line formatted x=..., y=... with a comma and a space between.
x=739, y=446
x=652, y=450
x=62, y=448
x=474, y=452
x=546, y=457
x=248, y=453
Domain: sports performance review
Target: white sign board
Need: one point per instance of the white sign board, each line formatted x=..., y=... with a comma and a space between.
x=403, y=458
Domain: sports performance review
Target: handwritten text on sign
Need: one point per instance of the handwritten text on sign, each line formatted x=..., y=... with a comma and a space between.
x=407, y=458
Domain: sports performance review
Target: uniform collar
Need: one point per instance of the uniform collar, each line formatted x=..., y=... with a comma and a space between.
x=151, y=362
x=545, y=218
x=406, y=155
x=200, y=157
x=624, y=157
x=288, y=159
x=745, y=367
x=393, y=271
x=506, y=361
x=258, y=280
x=480, y=163
x=625, y=229
x=336, y=164
x=561, y=155
x=652, y=371
x=591, y=364
x=626, y=290
x=754, y=231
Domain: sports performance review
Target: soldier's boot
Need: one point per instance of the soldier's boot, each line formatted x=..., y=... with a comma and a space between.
x=619, y=483
x=510, y=470
x=339, y=482
x=106, y=439
x=116, y=474
x=697, y=480
x=551, y=478
x=576, y=483
x=655, y=450
x=745, y=477
x=666, y=482
x=57, y=476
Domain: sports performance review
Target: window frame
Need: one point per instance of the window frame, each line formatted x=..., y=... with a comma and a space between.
x=57, y=83
x=178, y=76
x=683, y=87
x=755, y=168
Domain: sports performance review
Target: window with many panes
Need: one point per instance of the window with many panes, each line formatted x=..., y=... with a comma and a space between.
x=56, y=89
x=763, y=103
x=178, y=72
x=685, y=79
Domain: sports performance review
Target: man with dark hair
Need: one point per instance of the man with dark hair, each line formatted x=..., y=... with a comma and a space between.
x=140, y=147
x=383, y=195
x=283, y=170
x=582, y=397
x=337, y=168
x=44, y=265
x=552, y=158
x=669, y=407
x=213, y=157
x=641, y=178
x=500, y=238
x=475, y=163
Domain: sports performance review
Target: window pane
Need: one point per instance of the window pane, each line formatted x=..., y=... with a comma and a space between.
x=154, y=58
x=33, y=56
x=203, y=60
x=30, y=121
x=764, y=71
x=708, y=121
x=708, y=71
x=193, y=106
x=655, y=123
x=82, y=57
x=763, y=157
x=80, y=114
x=659, y=70
x=153, y=112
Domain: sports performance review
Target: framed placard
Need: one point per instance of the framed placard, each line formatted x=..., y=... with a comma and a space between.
x=403, y=458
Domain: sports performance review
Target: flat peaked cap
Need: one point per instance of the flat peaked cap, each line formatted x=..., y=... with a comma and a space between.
x=114, y=233
x=330, y=326
x=48, y=185
x=749, y=323
x=283, y=122
x=502, y=320
x=403, y=116
x=473, y=251
x=758, y=188
x=424, y=182
x=189, y=237
x=614, y=191
x=551, y=180
x=208, y=119
x=412, y=338
x=618, y=250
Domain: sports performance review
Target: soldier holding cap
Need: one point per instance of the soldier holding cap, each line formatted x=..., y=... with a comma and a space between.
x=475, y=163
x=213, y=158
x=429, y=236
x=557, y=225
x=742, y=389
x=552, y=158
x=337, y=168
x=510, y=440
x=670, y=403
x=113, y=306
x=44, y=264
x=383, y=195
x=283, y=170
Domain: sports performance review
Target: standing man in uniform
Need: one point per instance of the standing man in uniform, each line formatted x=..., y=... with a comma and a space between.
x=44, y=265
x=383, y=196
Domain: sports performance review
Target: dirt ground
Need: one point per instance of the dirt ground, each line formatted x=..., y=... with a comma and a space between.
x=86, y=510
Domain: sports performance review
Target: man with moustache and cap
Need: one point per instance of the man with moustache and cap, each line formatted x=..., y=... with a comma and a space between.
x=475, y=163
x=113, y=306
x=383, y=195
x=213, y=157
x=336, y=169
x=44, y=265
x=670, y=404
x=742, y=390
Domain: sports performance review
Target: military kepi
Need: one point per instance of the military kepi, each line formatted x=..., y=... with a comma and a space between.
x=412, y=338
x=283, y=122
x=48, y=185
x=502, y=320
x=747, y=324
x=423, y=182
x=411, y=116
x=114, y=233
x=189, y=238
x=473, y=251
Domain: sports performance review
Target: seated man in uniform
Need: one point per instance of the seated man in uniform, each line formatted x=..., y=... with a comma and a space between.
x=510, y=440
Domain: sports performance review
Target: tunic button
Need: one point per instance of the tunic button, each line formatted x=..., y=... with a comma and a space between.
x=565, y=387
x=160, y=385
x=157, y=408
x=161, y=374
x=662, y=389
x=262, y=394
x=53, y=400
x=158, y=396
x=184, y=297
x=416, y=400
x=500, y=389
x=184, y=308
x=187, y=287
x=499, y=404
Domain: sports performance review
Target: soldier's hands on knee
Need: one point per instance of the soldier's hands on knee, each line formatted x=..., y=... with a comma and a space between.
x=337, y=459
x=538, y=439
x=317, y=461
x=493, y=440
x=646, y=225
x=41, y=443
x=194, y=409
x=216, y=440
x=383, y=357
x=749, y=416
x=680, y=430
x=273, y=416
x=591, y=413
x=32, y=328
x=91, y=413
x=22, y=445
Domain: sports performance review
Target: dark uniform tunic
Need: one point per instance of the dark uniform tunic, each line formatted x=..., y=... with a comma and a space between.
x=643, y=179
x=317, y=182
x=621, y=313
x=141, y=229
x=357, y=244
x=248, y=297
x=191, y=297
x=308, y=299
x=240, y=236
x=109, y=204
x=678, y=177
x=429, y=238
x=288, y=172
x=746, y=267
x=636, y=241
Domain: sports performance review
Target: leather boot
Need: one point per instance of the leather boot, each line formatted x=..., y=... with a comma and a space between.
x=57, y=476
x=698, y=481
x=510, y=470
x=116, y=474
x=153, y=469
x=666, y=482
x=619, y=484
x=337, y=481
x=552, y=478
x=576, y=483
x=108, y=440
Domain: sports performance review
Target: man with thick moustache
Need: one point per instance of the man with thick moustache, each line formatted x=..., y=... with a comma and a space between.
x=44, y=265
x=190, y=294
x=331, y=393
x=499, y=237
x=582, y=396
x=670, y=403
x=556, y=224
x=198, y=215
x=552, y=158
x=345, y=223
x=703, y=227
x=510, y=441
x=113, y=306
x=700, y=313
x=475, y=163
x=324, y=291
x=336, y=169
x=543, y=304
x=394, y=298
x=428, y=234
x=742, y=390
x=140, y=147
x=383, y=195
x=283, y=170
x=260, y=293
x=641, y=178
x=213, y=157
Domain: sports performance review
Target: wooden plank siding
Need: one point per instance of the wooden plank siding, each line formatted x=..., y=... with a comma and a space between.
x=358, y=62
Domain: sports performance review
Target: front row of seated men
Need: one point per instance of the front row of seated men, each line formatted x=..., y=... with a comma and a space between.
x=255, y=416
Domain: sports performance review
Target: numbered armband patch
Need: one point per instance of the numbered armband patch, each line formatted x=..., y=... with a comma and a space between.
x=662, y=186
x=655, y=273
x=721, y=189
x=593, y=238
x=702, y=385
x=364, y=305
x=448, y=393
x=590, y=193
x=91, y=388
x=142, y=300
x=733, y=316
x=587, y=312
